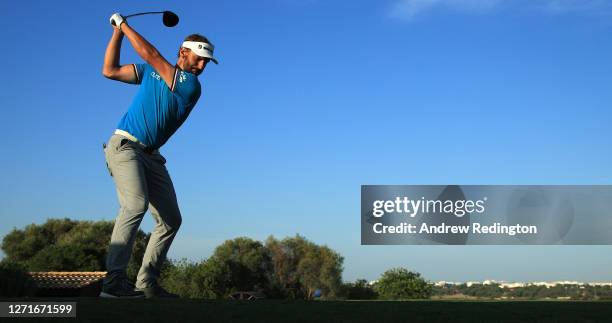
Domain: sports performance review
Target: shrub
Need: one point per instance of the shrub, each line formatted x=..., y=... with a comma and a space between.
x=399, y=283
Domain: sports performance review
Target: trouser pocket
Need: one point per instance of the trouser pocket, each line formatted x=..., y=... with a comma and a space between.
x=106, y=159
x=123, y=143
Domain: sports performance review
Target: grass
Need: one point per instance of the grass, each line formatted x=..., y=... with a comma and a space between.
x=185, y=310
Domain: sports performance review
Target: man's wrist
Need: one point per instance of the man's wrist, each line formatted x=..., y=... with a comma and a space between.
x=123, y=25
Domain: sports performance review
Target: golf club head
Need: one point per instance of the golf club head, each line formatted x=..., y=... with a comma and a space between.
x=170, y=19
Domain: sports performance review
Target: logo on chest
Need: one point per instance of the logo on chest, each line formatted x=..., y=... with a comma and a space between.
x=155, y=76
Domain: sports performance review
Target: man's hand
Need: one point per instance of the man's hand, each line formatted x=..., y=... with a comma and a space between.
x=117, y=19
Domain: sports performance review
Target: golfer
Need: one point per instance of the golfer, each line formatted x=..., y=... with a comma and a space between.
x=166, y=96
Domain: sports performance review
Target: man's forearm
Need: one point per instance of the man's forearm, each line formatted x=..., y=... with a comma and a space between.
x=112, y=54
x=142, y=47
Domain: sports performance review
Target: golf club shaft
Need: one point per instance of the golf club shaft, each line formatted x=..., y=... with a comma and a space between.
x=142, y=13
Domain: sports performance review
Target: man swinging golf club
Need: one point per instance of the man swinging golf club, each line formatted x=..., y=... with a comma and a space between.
x=166, y=96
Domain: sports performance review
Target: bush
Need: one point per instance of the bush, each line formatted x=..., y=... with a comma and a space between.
x=207, y=279
x=67, y=245
x=399, y=283
x=290, y=268
x=245, y=260
x=359, y=290
x=300, y=267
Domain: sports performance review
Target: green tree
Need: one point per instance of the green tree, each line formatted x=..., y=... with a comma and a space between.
x=300, y=267
x=320, y=268
x=247, y=261
x=399, y=283
x=293, y=268
x=67, y=245
x=285, y=256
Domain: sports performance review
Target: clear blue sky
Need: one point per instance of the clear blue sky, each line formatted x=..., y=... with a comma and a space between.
x=311, y=100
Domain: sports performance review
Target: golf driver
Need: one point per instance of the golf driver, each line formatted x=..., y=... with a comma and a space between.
x=169, y=18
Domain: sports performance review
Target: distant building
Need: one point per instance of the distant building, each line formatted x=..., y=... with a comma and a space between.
x=504, y=284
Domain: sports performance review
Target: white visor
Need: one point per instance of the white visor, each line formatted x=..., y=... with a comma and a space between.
x=201, y=49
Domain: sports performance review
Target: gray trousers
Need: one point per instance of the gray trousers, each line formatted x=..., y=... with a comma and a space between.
x=142, y=183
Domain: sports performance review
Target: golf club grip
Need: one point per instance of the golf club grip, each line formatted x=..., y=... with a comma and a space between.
x=142, y=13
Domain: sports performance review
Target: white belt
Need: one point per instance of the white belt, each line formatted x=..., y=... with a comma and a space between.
x=127, y=135
x=134, y=139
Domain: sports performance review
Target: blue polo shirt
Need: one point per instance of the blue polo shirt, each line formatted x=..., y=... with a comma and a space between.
x=158, y=111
